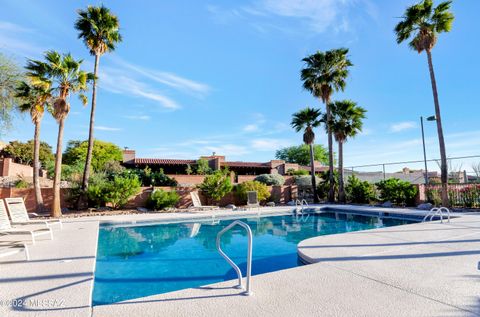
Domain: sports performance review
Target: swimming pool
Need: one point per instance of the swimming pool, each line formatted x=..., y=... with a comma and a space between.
x=138, y=261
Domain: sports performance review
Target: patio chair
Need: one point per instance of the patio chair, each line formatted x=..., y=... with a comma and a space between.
x=19, y=214
x=8, y=248
x=6, y=227
x=197, y=203
x=252, y=199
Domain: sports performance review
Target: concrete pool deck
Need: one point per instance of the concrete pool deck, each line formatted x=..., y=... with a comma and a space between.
x=423, y=269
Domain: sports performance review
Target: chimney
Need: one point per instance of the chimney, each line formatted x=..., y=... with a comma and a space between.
x=128, y=156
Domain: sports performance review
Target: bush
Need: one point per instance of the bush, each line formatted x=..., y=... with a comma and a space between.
x=21, y=183
x=397, y=191
x=116, y=191
x=293, y=172
x=216, y=185
x=271, y=179
x=306, y=180
x=359, y=192
x=323, y=187
x=149, y=178
x=160, y=199
x=261, y=189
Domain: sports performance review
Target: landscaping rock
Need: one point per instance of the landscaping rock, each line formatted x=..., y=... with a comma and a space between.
x=387, y=204
x=141, y=209
x=291, y=203
x=231, y=206
x=271, y=204
x=425, y=206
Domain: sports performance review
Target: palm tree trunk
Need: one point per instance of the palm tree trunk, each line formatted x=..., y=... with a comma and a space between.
x=331, y=190
x=441, y=141
x=88, y=162
x=56, y=208
x=312, y=171
x=341, y=190
x=36, y=168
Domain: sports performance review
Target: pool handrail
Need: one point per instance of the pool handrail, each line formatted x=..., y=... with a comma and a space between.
x=249, y=254
x=437, y=210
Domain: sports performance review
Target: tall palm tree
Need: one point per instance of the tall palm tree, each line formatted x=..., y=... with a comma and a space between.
x=99, y=30
x=306, y=120
x=67, y=78
x=422, y=23
x=345, y=122
x=325, y=73
x=35, y=96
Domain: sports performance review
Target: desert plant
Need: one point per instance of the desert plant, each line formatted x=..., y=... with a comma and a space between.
x=21, y=183
x=271, y=179
x=397, y=191
x=262, y=190
x=293, y=172
x=202, y=167
x=360, y=192
x=160, y=199
x=324, y=187
x=114, y=191
x=215, y=186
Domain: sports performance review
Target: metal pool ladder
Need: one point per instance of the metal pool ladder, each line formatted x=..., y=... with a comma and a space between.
x=247, y=292
x=437, y=211
x=300, y=203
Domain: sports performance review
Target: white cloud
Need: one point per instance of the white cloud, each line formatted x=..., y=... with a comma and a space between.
x=19, y=40
x=402, y=126
x=250, y=128
x=139, y=117
x=269, y=144
x=104, y=128
x=225, y=149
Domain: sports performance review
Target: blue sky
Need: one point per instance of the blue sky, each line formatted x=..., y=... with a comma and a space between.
x=193, y=77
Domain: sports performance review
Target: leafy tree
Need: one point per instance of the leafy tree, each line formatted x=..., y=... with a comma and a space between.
x=325, y=73
x=215, y=186
x=345, y=122
x=34, y=96
x=262, y=190
x=22, y=152
x=10, y=76
x=67, y=78
x=99, y=30
x=421, y=24
x=103, y=153
x=301, y=154
x=203, y=168
x=306, y=120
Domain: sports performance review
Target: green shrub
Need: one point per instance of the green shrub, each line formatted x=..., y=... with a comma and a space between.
x=202, y=167
x=150, y=178
x=293, y=172
x=160, y=199
x=21, y=183
x=216, y=185
x=116, y=191
x=261, y=189
x=359, y=192
x=323, y=186
x=433, y=196
x=306, y=180
x=397, y=191
x=271, y=179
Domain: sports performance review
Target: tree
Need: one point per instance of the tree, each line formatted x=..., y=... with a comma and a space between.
x=22, y=152
x=67, y=78
x=325, y=73
x=99, y=30
x=35, y=96
x=202, y=167
x=345, y=122
x=301, y=154
x=306, y=120
x=10, y=76
x=422, y=23
x=103, y=153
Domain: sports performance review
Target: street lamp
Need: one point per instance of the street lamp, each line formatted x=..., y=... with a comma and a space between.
x=431, y=118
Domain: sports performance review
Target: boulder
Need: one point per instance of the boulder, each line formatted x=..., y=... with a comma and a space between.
x=271, y=204
x=425, y=206
x=387, y=204
x=231, y=206
x=142, y=209
x=291, y=203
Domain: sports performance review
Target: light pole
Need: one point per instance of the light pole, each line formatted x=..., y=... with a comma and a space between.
x=431, y=118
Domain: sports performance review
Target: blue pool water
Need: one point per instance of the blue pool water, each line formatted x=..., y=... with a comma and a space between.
x=139, y=261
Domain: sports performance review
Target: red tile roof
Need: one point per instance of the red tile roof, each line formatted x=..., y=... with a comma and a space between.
x=162, y=161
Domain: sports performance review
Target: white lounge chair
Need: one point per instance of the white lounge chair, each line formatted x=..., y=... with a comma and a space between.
x=11, y=248
x=197, y=203
x=19, y=214
x=6, y=226
x=252, y=199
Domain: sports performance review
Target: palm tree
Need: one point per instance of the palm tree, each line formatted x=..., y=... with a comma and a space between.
x=99, y=30
x=306, y=120
x=422, y=23
x=67, y=78
x=35, y=96
x=345, y=122
x=325, y=73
